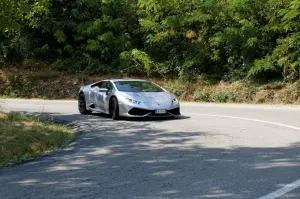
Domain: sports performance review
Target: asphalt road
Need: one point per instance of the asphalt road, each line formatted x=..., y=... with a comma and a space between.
x=212, y=151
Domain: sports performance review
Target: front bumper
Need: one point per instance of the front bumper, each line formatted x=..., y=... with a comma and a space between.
x=138, y=112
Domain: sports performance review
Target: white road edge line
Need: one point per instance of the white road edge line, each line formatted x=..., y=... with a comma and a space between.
x=287, y=188
x=248, y=119
x=283, y=190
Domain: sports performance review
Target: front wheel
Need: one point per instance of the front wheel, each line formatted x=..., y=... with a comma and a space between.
x=82, y=105
x=114, y=109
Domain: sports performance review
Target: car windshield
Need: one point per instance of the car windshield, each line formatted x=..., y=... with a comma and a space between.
x=137, y=86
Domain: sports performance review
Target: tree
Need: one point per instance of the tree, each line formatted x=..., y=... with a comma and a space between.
x=225, y=39
x=11, y=13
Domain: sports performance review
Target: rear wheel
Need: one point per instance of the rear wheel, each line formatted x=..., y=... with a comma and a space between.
x=82, y=104
x=114, y=109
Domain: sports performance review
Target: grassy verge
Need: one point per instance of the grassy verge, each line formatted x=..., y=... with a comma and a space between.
x=25, y=137
x=52, y=85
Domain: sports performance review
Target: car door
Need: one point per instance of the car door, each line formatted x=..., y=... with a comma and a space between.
x=100, y=96
x=107, y=95
x=94, y=94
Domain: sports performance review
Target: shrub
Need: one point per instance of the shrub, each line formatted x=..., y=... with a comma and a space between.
x=274, y=86
x=183, y=90
x=224, y=96
x=203, y=96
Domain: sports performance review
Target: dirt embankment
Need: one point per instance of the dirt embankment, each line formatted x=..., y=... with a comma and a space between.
x=53, y=85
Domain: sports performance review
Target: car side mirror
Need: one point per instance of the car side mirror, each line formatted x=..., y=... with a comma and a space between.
x=103, y=90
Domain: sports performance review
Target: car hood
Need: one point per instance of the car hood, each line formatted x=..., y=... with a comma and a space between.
x=151, y=99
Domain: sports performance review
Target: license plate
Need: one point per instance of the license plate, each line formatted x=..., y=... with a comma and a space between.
x=161, y=111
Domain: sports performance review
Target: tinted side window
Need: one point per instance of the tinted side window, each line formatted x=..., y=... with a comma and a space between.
x=100, y=84
x=109, y=86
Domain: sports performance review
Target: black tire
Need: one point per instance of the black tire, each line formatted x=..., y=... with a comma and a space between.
x=114, y=109
x=82, y=105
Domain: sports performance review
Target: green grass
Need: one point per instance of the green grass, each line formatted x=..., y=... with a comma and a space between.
x=25, y=137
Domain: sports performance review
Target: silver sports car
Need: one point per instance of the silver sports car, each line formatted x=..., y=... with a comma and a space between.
x=128, y=98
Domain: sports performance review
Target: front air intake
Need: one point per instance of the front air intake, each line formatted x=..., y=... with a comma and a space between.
x=175, y=111
x=139, y=111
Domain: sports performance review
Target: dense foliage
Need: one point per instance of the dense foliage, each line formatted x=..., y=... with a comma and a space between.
x=226, y=39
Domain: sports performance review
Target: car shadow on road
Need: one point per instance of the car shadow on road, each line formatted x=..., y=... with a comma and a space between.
x=143, y=119
x=143, y=160
x=65, y=119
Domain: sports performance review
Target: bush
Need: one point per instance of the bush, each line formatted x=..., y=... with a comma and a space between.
x=183, y=90
x=224, y=97
x=203, y=96
x=264, y=96
x=274, y=86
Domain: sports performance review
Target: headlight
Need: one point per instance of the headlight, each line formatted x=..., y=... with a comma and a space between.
x=133, y=101
x=175, y=101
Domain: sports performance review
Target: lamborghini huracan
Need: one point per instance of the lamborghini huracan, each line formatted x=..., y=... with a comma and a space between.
x=127, y=98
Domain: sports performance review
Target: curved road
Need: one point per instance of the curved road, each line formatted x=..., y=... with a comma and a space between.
x=212, y=151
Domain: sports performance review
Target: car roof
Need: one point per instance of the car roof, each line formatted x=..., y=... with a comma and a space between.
x=116, y=80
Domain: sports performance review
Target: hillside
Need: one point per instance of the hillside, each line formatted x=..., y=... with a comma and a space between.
x=54, y=85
